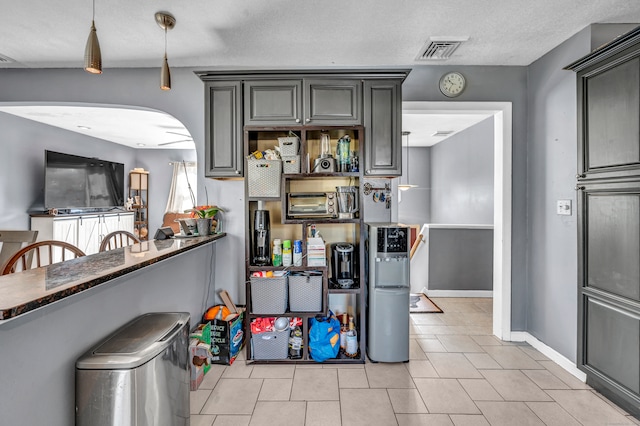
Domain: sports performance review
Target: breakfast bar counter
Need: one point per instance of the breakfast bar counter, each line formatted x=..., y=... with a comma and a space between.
x=53, y=315
x=28, y=290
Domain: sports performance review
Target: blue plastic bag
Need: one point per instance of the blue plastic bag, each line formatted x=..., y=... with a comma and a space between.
x=324, y=337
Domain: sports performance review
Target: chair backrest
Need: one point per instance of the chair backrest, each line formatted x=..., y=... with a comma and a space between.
x=44, y=253
x=118, y=239
x=12, y=241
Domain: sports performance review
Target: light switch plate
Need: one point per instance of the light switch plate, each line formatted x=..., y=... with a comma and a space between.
x=564, y=207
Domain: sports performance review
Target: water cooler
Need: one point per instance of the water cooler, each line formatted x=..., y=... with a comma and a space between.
x=388, y=281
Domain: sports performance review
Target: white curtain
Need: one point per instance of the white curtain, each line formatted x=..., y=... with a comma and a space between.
x=182, y=195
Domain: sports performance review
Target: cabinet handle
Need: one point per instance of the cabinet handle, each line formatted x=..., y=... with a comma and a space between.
x=308, y=120
x=580, y=175
x=237, y=172
x=579, y=188
x=297, y=120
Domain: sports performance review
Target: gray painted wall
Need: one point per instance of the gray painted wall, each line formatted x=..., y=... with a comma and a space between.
x=460, y=259
x=462, y=177
x=552, y=250
x=493, y=84
x=414, y=204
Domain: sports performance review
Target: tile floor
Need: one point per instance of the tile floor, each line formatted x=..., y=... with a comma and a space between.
x=459, y=374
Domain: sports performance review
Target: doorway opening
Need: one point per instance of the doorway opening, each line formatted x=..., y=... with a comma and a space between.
x=502, y=122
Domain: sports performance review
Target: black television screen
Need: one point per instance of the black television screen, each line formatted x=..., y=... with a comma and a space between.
x=74, y=182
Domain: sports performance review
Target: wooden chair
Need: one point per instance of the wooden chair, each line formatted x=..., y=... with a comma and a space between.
x=23, y=256
x=12, y=241
x=118, y=239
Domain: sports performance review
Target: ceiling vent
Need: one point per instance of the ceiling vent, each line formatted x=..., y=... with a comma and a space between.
x=441, y=133
x=440, y=48
x=5, y=59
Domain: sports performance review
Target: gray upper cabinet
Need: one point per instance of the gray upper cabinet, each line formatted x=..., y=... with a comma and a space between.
x=333, y=102
x=382, y=123
x=223, y=129
x=286, y=103
x=273, y=102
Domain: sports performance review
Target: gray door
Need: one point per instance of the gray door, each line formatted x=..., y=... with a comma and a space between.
x=609, y=293
x=223, y=129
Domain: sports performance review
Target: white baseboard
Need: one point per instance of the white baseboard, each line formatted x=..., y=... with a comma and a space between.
x=552, y=354
x=458, y=293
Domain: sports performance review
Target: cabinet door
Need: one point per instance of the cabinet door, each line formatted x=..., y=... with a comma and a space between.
x=66, y=230
x=333, y=102
x=125, y=222
x=273, y=102
x=383, y=127
x=611, y=127
x=609, y=292
x=89, y=234
x=223, y=129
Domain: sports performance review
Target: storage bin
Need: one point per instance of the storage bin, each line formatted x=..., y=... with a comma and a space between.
x=305, y=293
x=270, y=345
x=291, y=164
x=264, y=177
x=269, y=295
x=289, y=146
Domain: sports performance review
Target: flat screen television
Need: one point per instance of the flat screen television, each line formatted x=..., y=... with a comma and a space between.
x=74, y=182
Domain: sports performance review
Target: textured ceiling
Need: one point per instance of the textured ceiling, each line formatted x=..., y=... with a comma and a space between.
x=249, y=34
x=296, y=33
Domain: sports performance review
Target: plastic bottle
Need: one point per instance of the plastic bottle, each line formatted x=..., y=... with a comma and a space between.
x=297, y=253
x=277, y=253
x=344, y=329
x=295, y=343
x=286, y=253
x=352, y=340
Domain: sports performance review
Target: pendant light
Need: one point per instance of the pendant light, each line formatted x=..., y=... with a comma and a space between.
x=166, y=21
x=92, y=55
x=407, y=186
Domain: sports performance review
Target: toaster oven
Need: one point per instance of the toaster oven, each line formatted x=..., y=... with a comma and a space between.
x=312, y=205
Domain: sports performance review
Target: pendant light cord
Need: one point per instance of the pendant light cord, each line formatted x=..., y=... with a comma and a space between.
x=93, y=16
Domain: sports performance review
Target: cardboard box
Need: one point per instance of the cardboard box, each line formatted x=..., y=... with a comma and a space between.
x=227, y=339
x=203, y=334
x=316, y=252
x=199, y=360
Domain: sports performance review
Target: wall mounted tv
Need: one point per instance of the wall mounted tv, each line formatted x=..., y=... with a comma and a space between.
x=80, y=183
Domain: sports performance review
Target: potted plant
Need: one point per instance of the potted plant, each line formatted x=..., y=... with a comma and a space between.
x=204, y=216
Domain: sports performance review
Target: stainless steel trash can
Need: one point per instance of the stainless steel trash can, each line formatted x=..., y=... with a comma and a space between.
x=137, y=376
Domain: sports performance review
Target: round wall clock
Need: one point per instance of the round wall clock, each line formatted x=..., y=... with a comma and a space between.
x=452, y=84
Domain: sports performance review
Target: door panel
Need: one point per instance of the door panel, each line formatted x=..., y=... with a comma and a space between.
x=613, y=343
x=272, y=102
x=613, y=243
x=333, y=101
x=613, y=112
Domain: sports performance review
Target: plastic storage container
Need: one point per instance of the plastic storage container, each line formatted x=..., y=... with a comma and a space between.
x=271, y=345
x=139, y=375
x=264, y=177
x=269, y=295
x=305, y=292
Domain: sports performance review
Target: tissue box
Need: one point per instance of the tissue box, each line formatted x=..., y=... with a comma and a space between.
x=227, y=338
x=316, y=252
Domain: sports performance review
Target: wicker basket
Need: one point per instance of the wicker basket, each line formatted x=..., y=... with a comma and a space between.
x=264, y=177
x=270, y=345
x=269, y=295
x=305, y=293
x=291, y=164
x=289, y=146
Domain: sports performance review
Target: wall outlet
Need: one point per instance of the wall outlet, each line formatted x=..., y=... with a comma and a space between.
x=564, y=207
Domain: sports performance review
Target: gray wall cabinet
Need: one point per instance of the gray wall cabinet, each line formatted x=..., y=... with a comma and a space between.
x=609, y=219
x=326, y=102
x=223, y=129
x=313, y=98
x=383, y=128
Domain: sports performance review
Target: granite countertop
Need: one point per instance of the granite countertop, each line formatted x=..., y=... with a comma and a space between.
x=28, y=290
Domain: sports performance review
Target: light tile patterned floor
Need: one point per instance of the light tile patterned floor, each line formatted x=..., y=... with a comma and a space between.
x=459, y=374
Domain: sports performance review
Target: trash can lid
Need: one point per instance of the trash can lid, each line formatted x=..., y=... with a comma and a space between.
x=136, y=342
